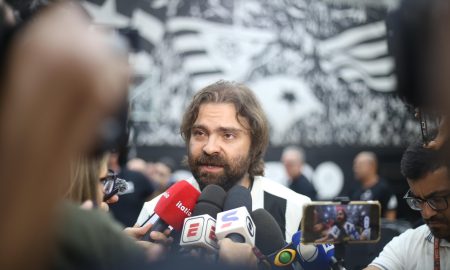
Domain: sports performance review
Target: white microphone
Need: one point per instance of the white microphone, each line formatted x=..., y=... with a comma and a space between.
x=236, y=223
x=199, y=232
x=199, y=229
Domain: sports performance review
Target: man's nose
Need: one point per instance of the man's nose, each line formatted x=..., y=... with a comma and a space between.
x=212, y=146
x=427, y=212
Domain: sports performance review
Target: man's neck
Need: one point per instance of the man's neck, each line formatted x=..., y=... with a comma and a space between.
x=370, y=181
x=245, y=182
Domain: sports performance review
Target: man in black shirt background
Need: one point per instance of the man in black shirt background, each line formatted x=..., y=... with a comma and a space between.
x=373, y=187
x=293, y=159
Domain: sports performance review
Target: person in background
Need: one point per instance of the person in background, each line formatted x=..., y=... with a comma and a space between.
x=86, y=184
x=139, y=191
x=293, y=159
x=161, y=174
x=428, y=246
x=373, y=187
x=342, y=230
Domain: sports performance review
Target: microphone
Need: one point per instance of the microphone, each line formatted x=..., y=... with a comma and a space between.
x=312, y=256
x=122, y=186
x=270, y=241
x=280, y=255
x=199, y=229
x=175, y=204
x=235, y=222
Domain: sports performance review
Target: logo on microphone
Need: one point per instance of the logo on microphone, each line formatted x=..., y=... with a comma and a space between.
x=250, y=227
x=166, y=195
x=193, y=229
x=184, y=209
x=212, y=233
x=228, y=219
x=284, y=257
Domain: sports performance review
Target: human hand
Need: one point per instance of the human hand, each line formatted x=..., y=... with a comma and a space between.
x=237, y=254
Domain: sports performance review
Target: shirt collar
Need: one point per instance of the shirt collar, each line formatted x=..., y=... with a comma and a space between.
x=430, y=239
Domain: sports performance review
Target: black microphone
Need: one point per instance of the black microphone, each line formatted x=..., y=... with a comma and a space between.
x=269, y=237
x=211, y=201
x=199, y=229
x=238, y=196
x=235, y=222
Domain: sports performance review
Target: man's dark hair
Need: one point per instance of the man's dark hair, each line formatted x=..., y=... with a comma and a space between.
x=418, y=161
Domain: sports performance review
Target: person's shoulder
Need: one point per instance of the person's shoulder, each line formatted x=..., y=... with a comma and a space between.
x=416, y=235
x=278, y=189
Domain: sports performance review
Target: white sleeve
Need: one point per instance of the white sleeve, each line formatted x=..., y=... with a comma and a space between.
x=146, y=211
x=393, y=255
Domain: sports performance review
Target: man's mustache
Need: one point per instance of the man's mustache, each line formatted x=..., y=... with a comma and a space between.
x=214, y=160
x=435, y=219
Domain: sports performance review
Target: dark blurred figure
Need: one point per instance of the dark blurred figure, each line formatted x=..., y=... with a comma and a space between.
x=161, y=174
x=293, y=160
x=49, y=114
x=140, y=189
x=373, y=187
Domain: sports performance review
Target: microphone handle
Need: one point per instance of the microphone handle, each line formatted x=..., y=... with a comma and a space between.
x=235, y=237
x=159, y=226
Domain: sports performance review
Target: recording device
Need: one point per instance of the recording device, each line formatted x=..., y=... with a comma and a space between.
x=174, y=205
x=199, y=229
x=236, y=223
x=335, y=222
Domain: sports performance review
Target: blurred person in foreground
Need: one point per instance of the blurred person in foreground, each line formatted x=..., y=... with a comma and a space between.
x=373, y=187
x=60, y=82
x=293, y=159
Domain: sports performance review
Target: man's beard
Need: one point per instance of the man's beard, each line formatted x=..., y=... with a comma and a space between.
x=233, y=170
x=440, y=232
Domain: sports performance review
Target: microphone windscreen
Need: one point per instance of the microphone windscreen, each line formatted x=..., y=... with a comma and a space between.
x=269, y=237
x=177, y=203
x=211, y=201
x=122, y=186
x=238, y=196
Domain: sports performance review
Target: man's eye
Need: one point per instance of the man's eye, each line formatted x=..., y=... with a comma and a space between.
x=229, y=136
x=198, y=133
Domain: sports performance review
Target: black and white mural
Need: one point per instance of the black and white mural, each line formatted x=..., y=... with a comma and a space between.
x=320, y=68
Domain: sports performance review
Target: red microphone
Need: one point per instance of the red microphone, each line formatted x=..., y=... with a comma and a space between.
x=175, y=204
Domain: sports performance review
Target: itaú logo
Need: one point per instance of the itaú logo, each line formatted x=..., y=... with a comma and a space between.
x=184, y=209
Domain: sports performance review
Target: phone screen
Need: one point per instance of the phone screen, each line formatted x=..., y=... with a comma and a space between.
x=330, y=222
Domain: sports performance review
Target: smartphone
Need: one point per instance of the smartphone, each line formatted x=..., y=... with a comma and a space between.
x=334, y=222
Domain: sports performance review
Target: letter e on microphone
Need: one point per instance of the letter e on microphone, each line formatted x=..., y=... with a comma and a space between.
x=193, y=228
